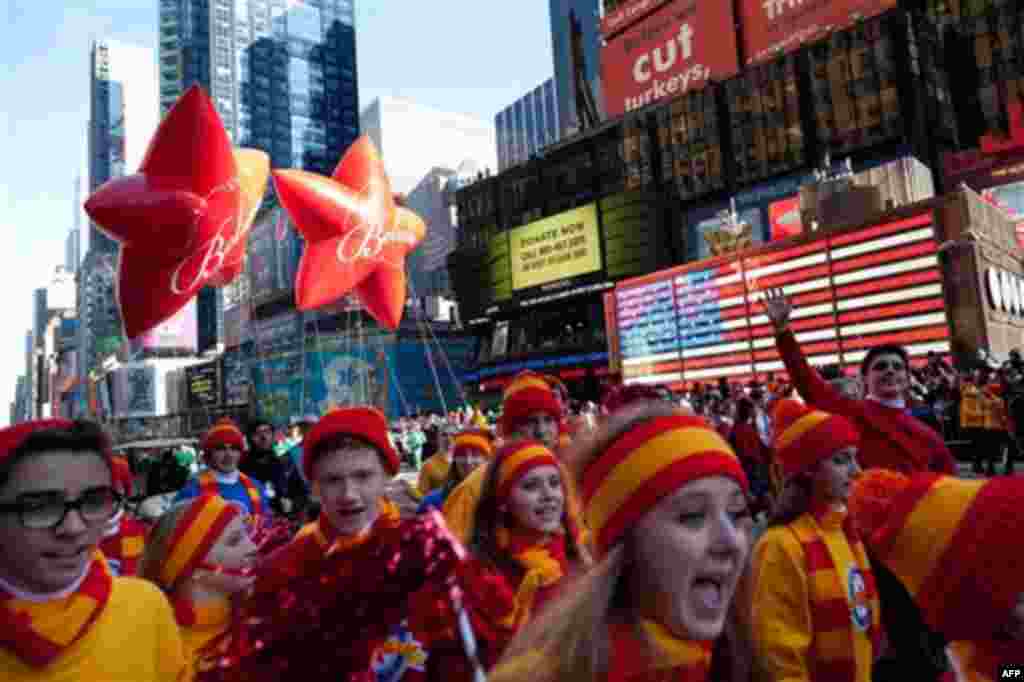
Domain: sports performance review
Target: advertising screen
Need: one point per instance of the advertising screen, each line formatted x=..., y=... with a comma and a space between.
x=678, y=48
x=562, y=246
x=850, y=291
x=178, y=333
x=203, y=382
x=771, y=27
x=135, y=391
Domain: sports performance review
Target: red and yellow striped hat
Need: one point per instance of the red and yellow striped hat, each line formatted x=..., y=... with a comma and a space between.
x=527, y=394
x=473, y=440
x=951, y=542
x=648, y=462
x=224, y=432
x=804, y=437
x=517, y=459
x=195, y=534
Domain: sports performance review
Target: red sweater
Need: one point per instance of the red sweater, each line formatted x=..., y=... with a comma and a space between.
x=890, y=438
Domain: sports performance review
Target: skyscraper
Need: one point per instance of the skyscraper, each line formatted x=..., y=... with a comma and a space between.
x=587, y=12
x=427, y=264
x=527, y=125
x=73, y=242
x=413, y=138
x=122, y=116
x=282, y=76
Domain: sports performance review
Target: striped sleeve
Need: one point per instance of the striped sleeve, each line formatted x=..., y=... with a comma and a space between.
x=781, y=608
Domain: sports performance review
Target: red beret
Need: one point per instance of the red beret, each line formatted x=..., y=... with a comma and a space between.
x=364, y=423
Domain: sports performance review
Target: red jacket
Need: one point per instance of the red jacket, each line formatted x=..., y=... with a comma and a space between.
x=890, y=438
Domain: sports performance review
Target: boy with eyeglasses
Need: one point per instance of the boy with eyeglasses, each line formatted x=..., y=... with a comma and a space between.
x=63, y=615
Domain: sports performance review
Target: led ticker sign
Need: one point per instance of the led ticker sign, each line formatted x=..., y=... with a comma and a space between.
x=850, y=291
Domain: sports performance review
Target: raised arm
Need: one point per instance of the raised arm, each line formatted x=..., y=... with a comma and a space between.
x=809, y=384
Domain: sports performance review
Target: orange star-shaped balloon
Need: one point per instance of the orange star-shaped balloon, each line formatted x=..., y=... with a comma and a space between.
x=356, y=237
x=183, y=219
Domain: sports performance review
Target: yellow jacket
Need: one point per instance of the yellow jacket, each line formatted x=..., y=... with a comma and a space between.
x=135, y=639
x=212, y=620
x=433, y=474
x=780, y=609
x=460, y=508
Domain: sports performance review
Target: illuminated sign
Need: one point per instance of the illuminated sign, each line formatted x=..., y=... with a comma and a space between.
x=850, y=291
x=560, y=247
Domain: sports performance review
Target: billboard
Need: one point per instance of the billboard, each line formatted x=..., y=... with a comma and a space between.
x=771, y=27
x=180, y=332
x=625, y=14
x=555, y=248
x=680, y=47
x=203, y=385
x=274, y=250
x=851, y=291
x=135, y=391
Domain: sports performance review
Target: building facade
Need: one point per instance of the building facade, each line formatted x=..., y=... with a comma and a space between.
x=587, y=12
x=527, y=125
x=427, y=264
x=282, y=76
x=413, y=139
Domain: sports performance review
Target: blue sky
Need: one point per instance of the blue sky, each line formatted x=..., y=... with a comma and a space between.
x=466, y=56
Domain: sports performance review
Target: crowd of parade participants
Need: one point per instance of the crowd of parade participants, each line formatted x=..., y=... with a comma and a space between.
x=797, y=531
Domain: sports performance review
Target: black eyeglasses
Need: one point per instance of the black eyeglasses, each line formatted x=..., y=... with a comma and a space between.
x=885, y=365
x=41, y=511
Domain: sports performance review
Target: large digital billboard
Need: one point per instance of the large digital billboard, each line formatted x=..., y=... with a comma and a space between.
x=851, y=291
x=771, y=27
x=180, y=332
x=555, y=248
x=680, y=47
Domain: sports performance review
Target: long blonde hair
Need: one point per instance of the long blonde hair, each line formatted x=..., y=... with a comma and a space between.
x=158, y=544
x=569, y=641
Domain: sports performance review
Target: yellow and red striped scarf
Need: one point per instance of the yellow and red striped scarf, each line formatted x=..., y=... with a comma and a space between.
x=126, y=547
x=330, y=542
x=208, y=485
x=831, y=618
x=545, y=564
x=39, y=632
x=672, y=659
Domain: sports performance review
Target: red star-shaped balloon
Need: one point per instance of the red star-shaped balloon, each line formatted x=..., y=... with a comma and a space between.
x=356, y=237
x=183, y=219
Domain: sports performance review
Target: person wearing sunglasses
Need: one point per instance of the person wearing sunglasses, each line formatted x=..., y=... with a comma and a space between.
x=63, y=615
x=890, y=437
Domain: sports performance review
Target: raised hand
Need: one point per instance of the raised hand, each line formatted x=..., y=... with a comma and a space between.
x=778, y=308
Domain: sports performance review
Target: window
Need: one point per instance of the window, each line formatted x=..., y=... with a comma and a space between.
x=303, y=21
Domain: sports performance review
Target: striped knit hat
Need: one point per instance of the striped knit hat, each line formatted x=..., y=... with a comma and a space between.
x=527, y=394
x=951, y=542
x=13, y=437
x=195, y=534
x=224, y=432
x=519, y=458
x=473, y=440
x=804, y=437
x=650, y=461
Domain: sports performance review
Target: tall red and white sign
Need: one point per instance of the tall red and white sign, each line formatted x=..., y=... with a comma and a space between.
x=678, y=48
x=771, y=27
